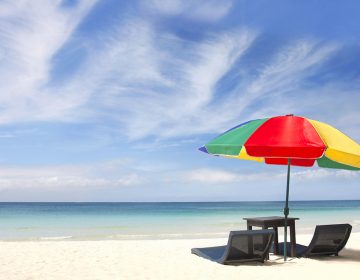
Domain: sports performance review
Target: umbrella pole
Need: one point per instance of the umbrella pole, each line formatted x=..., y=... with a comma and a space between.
x=286, y=210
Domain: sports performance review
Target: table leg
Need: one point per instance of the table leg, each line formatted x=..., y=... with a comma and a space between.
x=293, y=239
x=250, y=241
x=265, y=240
x=276, y=241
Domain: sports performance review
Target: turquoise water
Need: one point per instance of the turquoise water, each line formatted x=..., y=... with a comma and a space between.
x=94, y=221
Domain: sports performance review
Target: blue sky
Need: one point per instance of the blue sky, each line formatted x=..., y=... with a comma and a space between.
x=109, y=100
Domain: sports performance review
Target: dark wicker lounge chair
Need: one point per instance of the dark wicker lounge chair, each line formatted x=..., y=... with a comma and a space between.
x=327, y=240
x=243, y=246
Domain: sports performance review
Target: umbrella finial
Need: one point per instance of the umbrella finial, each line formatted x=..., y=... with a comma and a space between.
x=289, y=115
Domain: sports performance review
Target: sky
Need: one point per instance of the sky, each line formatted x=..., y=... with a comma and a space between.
x=110, y=100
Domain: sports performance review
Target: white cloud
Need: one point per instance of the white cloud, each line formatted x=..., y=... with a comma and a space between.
x=279, y=79
x=289, y=67
x=202, y=10
x=191, y=106
x=168, y=7
x=162, y=88
x=218, y=176
x=314, y=174
x=31, y=33
x=210, y=10
x=168, y=90
x=110, y=174
x=150, y=82
x=210, y=176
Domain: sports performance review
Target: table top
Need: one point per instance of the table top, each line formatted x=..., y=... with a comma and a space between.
x=271, y=218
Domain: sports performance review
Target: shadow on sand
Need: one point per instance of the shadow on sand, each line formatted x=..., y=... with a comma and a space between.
x=346, y=255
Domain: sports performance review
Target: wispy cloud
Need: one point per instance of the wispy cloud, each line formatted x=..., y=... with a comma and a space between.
x=163, y=86
x=31, y=33
x=95, y=175
x=168, y=90
x=323, y=173
x=210, y=176
x=149, y=82
x=218, y=176
x=117, y=174
x=279, y=79
x=184, y=98
x=159, y=74
x=202, y=10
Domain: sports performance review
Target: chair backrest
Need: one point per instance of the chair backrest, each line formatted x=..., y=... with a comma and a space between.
x=248, y=245
x=328, y=239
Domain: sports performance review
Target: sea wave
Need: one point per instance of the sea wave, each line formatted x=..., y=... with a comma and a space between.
x=192, y=235
x=55, y=237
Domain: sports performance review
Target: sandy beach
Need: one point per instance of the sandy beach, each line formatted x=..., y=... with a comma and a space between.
x=159, y=259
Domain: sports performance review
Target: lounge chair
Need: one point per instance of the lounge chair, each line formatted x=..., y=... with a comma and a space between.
x=243, y=246
x=327, y=240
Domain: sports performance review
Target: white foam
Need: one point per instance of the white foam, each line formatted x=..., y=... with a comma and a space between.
x=55, y=237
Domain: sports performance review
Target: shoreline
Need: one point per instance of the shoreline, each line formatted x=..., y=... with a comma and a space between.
x=308, y=231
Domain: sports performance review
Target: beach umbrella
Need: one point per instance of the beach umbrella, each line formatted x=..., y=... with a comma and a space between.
x=287, y=140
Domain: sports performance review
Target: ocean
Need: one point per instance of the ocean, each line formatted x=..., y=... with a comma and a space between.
x=172, y=220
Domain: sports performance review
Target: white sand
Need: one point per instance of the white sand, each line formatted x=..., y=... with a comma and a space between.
x=160, y=259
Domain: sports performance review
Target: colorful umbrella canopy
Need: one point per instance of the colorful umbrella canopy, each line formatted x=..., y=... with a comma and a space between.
x=288, y=140
x=275, y=140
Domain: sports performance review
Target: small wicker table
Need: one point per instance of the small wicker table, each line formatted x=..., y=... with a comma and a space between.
x=275, y=222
